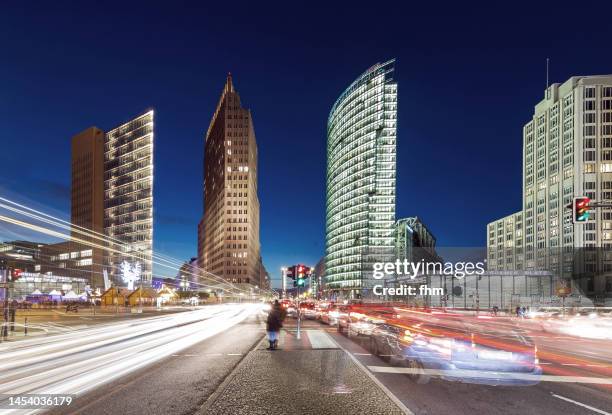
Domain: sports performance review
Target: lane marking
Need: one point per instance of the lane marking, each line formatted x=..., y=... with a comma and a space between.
x=362, y=354
x=234, y=354
x=599, y=411
x=319, y=339
x=374, y=379
x=492, y=375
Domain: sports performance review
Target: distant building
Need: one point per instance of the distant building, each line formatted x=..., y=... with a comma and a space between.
x=228, y=233
x=188, y=278
x=318, y=278
x=414, y=241
x=361, y=167
x=264, y=276
x=23, y=255
x=505, y=243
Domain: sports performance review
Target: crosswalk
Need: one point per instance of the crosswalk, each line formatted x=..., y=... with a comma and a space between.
x=309, y=340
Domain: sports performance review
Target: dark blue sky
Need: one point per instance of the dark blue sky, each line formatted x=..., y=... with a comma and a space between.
x=468, y=77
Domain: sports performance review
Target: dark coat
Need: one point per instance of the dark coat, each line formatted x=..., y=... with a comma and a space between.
x=274, y=322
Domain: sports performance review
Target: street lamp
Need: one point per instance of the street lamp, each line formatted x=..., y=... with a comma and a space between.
x=283, y=271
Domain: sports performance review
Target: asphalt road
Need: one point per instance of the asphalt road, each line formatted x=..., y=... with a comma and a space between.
x=147, y=365
x=172, y=364
x=42, y=322
x=178, y=384
x=444, y=397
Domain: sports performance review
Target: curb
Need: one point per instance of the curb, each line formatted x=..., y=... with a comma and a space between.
x=228, y=379
x=387, y=392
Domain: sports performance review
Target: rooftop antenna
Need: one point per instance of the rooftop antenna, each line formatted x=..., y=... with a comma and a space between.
x=547, y=65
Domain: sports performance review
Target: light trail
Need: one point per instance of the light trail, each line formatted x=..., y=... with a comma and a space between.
x=104, y=242
x=80, y=361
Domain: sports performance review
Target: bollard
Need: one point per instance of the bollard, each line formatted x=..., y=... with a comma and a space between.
x=25, y=327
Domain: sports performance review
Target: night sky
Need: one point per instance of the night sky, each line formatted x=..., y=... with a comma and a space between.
x=468, y=80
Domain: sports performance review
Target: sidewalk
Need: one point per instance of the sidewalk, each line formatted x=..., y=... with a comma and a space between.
x=307, y=376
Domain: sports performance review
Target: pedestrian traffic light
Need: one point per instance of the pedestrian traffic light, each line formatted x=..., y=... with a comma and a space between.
x=580, y=209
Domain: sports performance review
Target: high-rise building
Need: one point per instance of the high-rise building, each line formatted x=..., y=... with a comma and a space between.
x=87, y=203
x=361, y=146
x=228, y=234
x=128, y=199
x=567, y=152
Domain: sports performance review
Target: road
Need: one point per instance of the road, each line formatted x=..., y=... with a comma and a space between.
x=173, y=363
x=150, y=365
x=566, y=388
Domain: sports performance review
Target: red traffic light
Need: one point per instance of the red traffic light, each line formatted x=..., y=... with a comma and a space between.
x=580, y=209
x=15, y=274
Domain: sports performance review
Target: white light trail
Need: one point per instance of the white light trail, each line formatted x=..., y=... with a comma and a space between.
x=80, y=361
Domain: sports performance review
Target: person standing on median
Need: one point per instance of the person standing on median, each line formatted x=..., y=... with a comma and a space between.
x=273, y=325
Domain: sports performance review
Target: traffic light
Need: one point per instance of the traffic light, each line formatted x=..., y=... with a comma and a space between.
x=15, y=274
x=580, y=209
x=290, y=272
x=299, y=273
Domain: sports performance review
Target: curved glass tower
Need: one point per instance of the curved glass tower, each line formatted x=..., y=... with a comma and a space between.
x=360, y=205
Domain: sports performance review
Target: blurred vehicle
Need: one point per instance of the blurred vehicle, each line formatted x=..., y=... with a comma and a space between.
x=461, y=352
x=307, y=310
x=334, y=315
x=362, y=322
x=320, y=309
x=584, y=324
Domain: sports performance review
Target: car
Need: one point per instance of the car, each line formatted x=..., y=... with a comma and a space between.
x=334, y=314
x=456, y=351
x=361, y=321
x=307, y=310
x=320, y=309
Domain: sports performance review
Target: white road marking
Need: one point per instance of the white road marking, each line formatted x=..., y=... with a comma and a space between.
x=319, y=339
x=234, y=354
x=492, y=375
x=362, y=354
x=599, y=411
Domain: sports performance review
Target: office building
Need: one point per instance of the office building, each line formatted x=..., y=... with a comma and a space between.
x=360, y=206
x=567, y=152
x=505, y=243
x=87, y=205
x=128, y=198
x=228, y=233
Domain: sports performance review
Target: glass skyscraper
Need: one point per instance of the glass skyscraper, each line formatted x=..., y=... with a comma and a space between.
x=361, y=160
